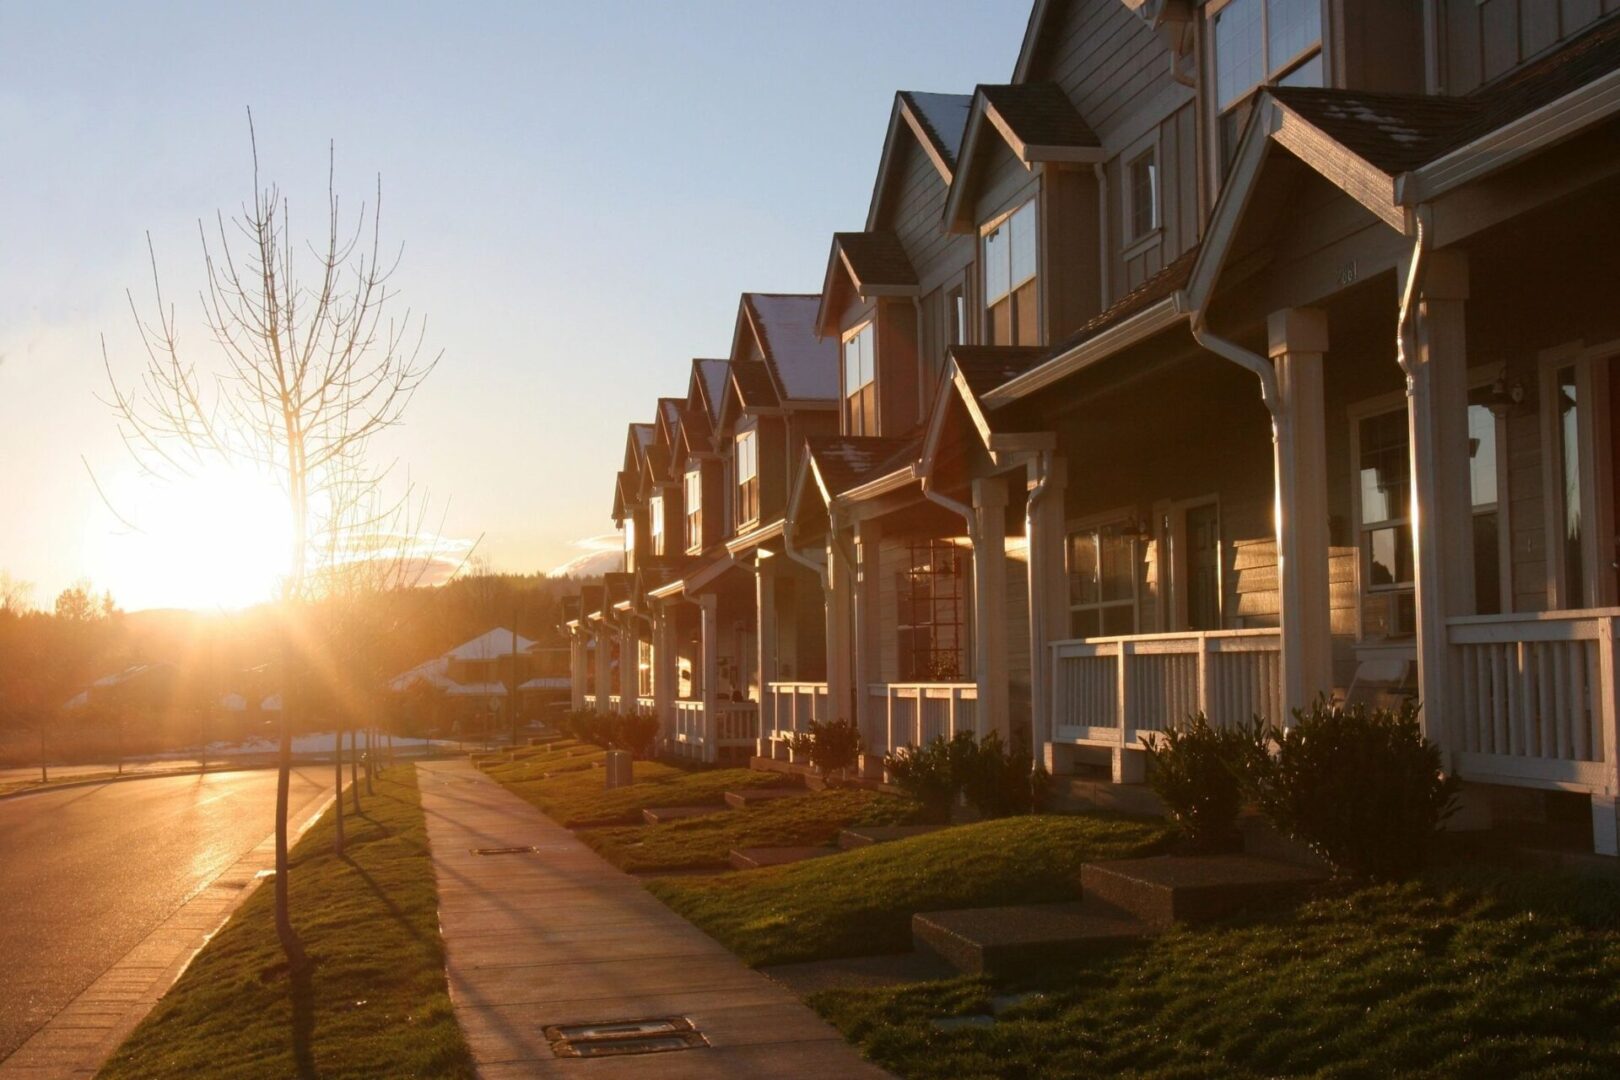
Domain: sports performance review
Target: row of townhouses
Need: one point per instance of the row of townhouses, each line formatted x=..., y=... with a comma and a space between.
x=1231, y=353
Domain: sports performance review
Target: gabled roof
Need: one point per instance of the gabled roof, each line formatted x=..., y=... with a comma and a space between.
x=802, y=364
x=616, y=587
x=707, y=386
x=1035, y=121
x=971, y=371
x=696, y=434
x=624, y=493
x=936, y=122
x=869, y=263
x=668, y=445
x=754, y=385
x=842, y=463
x=590, y=600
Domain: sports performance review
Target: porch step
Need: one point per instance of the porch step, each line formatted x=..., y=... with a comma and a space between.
x=999, y=940
x=751, y=796
x=1165, y=889
x=755, y=857
x=659, y=815
x=867, y=835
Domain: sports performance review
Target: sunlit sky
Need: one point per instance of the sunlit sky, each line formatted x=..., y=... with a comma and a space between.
x=582, y=192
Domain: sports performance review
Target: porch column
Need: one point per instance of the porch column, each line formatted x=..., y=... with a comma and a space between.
x=990, y=605
x=576, y=670
x=839, y=596
x=604, y=666
x=664, y=671
x=1298, y=338
x=765, y=627
x=868, y=660
x=709, y=613
x=1442, y=500
x=629, y=665
x=1048, y=586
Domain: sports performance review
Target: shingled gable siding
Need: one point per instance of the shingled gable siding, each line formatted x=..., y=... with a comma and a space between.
x=1480, y=41
x=1176, y=146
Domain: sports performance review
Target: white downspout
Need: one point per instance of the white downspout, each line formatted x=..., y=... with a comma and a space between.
x=1040, y=706
x=1105, y=255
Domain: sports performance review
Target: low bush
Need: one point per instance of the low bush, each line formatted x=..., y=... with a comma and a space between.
x=1362, y=787
x=996, y=782
x=1201, y=773
x=931, y=774
x=833, y=746
x=636, y=733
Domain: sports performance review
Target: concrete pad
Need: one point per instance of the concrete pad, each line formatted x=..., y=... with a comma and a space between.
x=755, y=857
x=661, y=814
x=564, y=937
x=754, y=796
x=1022, y=937
x=1166, y=889
x=867, y=835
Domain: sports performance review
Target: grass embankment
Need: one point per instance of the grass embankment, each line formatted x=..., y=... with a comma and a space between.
x=568, y=787
x=1485, y=973
x=860, y=902
x=375, y=1003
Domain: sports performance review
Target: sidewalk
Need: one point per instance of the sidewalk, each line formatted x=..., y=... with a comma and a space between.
x=559, y=937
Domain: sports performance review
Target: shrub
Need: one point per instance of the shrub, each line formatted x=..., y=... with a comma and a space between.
x=832, y=746
x=635, y=733
x=931, y=774
x=999, y=782
x=1201, y=773
x=1363, y=788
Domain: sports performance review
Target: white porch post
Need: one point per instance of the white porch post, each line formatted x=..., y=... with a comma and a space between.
x=990, y=606
x=576, y=669
x=1442, y=502
x=868, y=668
x=709, y=610
x=1048, y=586
x=765, y=626
x=604, y=666
x=839, y=596
x=1298, y=337
x=629, y=665
x=664, y=671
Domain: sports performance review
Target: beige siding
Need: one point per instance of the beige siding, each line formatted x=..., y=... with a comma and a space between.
x=1483, y=39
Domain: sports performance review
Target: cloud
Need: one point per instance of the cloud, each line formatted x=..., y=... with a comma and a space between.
x=598, y=555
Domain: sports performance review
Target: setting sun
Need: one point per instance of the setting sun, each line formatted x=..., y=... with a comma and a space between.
x=217, y=539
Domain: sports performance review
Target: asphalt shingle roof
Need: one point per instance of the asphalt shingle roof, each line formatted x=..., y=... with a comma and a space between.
x=848, y=461
x=876, y=258
x=1040, y=114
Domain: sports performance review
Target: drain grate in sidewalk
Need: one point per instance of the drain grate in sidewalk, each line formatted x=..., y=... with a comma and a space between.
x=616, y=1038
x=526, y=850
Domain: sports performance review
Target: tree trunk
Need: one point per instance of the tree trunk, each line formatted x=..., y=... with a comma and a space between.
x=297, y=959
x=337, y=761
x=371, y=763
x=354, y=768
x=44, y=775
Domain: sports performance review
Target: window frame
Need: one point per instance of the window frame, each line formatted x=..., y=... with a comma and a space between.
x=745, y=488
x=692, y=509
x=867, y=326
x=1097, y=524
x=1271, y=74
x=988, y=229
x=655, y=524
x=1593, y=367
x=1133, y=241
x=906, y=600
x=1355, y=414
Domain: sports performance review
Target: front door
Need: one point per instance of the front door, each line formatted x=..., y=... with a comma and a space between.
x=1204, y=568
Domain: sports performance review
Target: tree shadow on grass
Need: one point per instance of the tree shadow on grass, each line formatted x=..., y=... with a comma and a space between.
x=399, y=914
x=303, y=1021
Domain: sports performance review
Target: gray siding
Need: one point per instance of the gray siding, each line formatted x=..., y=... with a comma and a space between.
x=1482, y=39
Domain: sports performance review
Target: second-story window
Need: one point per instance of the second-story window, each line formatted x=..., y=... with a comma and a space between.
x=747, y=478
x=956, y=316
x=1011, y=317
x=1142, y=192
x=1261, y=41
x=693, y=481
x=860, y=382
x=655, y=524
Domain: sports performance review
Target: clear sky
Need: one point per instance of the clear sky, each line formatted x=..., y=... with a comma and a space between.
x=582, y=191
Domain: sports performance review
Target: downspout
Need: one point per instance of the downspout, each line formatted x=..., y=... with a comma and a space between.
x=1104, y=260
x=1041, y=706
x=791, y=550
x=1422, y=217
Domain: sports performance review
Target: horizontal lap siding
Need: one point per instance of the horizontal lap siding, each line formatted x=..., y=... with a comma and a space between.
x=918, y=217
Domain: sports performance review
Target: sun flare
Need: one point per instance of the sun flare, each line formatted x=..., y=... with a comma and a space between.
x=216, y=539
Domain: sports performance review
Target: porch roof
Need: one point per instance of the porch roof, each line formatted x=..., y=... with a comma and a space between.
x=616, y=588
x=842, y=463
x=867, y=263
x=803, y=366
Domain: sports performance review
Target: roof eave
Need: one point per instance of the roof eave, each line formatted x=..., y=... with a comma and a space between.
x=1139, y=327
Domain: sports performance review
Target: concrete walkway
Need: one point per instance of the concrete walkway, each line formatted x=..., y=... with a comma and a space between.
x=558, y=936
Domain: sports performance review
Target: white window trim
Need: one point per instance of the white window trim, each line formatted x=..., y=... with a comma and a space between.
x=1172, y=534
x=1132, y=246
x=868, y=319
x=977, y=288
x=1592, y=371
x=752, y=435
x=1097, y=521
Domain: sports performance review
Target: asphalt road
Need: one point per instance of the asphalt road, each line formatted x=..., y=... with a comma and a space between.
x=86, y=873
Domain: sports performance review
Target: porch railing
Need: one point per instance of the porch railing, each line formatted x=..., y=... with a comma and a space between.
x=1534, y=698
x=646, y=706
x=1110, y=691
x=788, y=708
x=590, y=701
x=735, y=725
x=914, y=714
x=613, y=703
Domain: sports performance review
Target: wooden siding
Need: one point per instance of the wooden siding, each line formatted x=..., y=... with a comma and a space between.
x=916, y=212
x=1483, y=39
x=1176, y=144
x=1108, y=60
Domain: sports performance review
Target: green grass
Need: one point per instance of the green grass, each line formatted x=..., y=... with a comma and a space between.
x=375, y=1003
x=806, y=820
x=568, y=790
x=861, y=902
x=1486, y=973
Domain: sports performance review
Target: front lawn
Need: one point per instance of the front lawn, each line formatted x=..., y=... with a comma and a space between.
x=1463, y=974
x=375, y=1004
x=860, y=902
x=569, y=790
x=802, y=821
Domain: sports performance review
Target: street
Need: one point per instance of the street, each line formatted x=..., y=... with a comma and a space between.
x=87, y=872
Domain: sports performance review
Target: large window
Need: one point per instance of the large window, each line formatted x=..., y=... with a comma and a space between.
x=860, y=382
x=693, y=484
x=644, y=668
x=1261, y=41
x=931, y=593
x=747, y=465
x=1009, y=280
x=1384, y=499
x=1103, y=580
x=1482, y=485
x=655, y=524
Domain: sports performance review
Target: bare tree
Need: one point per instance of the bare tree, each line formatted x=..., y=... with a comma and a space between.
x=307, y=367
x=16, y=595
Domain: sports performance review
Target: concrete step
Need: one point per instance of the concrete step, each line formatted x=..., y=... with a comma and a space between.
x=866, y=835
x=754, y=796
x=659, y=815
x=1166, y=889
x=999, y=940
x=756, y=857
